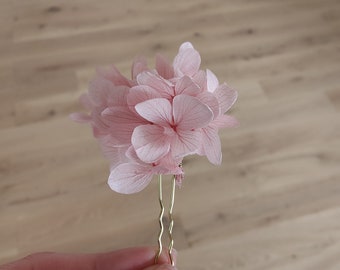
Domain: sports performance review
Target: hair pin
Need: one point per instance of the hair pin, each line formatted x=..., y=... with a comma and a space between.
x=146, y=125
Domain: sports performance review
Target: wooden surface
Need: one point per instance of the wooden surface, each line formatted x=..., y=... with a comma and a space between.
x=275, y=201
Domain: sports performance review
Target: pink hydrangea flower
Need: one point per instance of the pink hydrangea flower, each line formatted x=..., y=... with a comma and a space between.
x=174, y=127
x=146, y=125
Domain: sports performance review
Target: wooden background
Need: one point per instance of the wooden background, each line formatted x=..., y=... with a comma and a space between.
x=275, y=201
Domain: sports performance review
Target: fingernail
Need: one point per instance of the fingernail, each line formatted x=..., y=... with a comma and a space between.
x=174, y=255
x=165, y=257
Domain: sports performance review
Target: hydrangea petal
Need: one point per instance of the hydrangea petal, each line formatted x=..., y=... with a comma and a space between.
x=86, y=102
x=112, y=74
x=129, y=178
x=163, y=86
x=200, y=79
x=186, y=86
x=168, y=165
x=103, y=93
x=132, y=156
x=211, y=101
x=80, y=117
x=225, y=121
x=187, y=61
x=138, y=66
x=226, y=96
x=121, y=123
x=212, y=145
x=157, y=111
x=186, y=142
x=163, y=67
x=150, y=142
x=99, y=124
x=189, y=113
x=115, y=154
x=140, y=93
x=186, y=45
x=212, y=81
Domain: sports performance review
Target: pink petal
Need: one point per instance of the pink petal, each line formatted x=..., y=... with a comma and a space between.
x=140, y=93
x=225, y=121
x=189, y=113
x=179, y=179
x=99, y=124
x=121, y=115
x=121, y=123
x=163, y=67
x=163, y=86
x=132, y=156
x=200, y=79
x=212, y=145
x=99, y=89
x=103, y=93
x=86, y=102
x=212, y=81
x=80, y=117
x=226, y=96
x=168, y=165
x=211, y=101
x=186, y=142
x=186, y=86
x=138, y=66
x=129, y=178
x=157, y=111
x=150, y=143
x=118, y=97
x=112, y=74
x=187, y=61
x=186, y=45
x=116, y=155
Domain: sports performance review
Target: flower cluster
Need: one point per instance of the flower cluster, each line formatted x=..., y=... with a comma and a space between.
x=148, y=124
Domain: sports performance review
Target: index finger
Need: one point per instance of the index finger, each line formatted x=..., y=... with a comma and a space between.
x=125, y=259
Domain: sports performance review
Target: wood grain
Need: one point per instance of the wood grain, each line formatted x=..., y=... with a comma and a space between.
x=273, y=204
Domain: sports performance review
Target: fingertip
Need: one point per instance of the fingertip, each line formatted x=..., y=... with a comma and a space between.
x=164, y=258
x=174, y=255
x=161, y=267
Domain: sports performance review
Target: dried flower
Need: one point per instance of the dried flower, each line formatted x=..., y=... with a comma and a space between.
x=148, y=124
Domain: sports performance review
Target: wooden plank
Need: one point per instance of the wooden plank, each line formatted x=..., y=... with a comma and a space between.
x=273, y=204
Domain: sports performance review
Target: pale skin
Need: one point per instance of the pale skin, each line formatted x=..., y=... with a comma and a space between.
x=139, y=258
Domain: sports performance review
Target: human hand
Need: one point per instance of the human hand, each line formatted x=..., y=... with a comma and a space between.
x=126, y=259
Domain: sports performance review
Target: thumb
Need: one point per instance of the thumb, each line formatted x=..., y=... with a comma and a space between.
x=165, y=266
